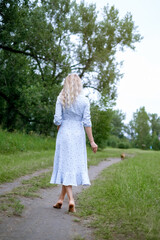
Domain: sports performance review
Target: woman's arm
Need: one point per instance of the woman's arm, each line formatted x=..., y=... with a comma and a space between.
x=90, y=137
x=58, y=113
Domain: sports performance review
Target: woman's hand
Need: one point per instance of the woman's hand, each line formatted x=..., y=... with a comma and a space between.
x=94, y=146
x=91, y=139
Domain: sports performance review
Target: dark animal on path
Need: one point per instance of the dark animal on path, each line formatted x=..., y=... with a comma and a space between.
x=123, y=156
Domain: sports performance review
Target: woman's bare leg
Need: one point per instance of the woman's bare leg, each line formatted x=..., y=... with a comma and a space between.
x=70, y=198
x=61, y=198
x=63, y=193
x=69, y=194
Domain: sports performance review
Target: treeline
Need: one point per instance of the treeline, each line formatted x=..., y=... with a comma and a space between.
x=143, y=131
x=41, y=41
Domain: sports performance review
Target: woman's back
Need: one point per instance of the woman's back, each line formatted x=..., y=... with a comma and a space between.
x=78, y=111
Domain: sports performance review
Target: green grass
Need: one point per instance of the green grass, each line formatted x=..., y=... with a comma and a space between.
x=11, y=205
x=94, y=159
x=18, y=164
x=124, y=203
x=79, y=238
x=20, y=142
x=22, y=154
x=33, y=185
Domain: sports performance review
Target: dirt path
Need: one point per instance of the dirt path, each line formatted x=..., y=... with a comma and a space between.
x=40, y=221
x=7, y=187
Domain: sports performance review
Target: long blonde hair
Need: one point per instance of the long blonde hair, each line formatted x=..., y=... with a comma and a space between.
x=71, y=89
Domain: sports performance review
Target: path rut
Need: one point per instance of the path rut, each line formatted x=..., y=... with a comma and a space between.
x=8, y=187
x=40, y=221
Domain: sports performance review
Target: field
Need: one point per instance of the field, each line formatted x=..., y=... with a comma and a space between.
x=124, y=203
x=21, y=154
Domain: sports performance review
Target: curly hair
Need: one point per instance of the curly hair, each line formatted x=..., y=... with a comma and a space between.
x=71, y=89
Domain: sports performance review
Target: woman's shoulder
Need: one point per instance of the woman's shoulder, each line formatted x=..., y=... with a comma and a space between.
x=59, y=98
x=81, y=97
x=82, y=101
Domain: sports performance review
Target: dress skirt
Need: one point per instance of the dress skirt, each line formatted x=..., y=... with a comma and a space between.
x=70, y=160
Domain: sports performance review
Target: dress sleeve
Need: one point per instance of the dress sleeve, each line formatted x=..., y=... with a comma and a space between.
x=58, y=113
x=86, y=115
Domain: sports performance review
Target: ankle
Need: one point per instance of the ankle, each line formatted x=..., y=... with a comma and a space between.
x=71, y=201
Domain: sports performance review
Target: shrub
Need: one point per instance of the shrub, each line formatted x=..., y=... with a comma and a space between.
x=123, y=145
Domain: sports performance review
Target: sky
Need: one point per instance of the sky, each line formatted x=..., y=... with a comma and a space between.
x=140, y=85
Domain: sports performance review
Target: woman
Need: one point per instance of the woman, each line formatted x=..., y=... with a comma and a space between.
x=72, y=114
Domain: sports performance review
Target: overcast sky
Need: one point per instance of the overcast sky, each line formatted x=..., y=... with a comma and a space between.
x=140, y=85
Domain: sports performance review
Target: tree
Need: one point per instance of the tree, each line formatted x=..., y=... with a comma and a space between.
x=98, y=44
x=101, y=124
x=155, y=142
x=141, y=128
x=117, y=124
x=37, y=38
x=155, y=124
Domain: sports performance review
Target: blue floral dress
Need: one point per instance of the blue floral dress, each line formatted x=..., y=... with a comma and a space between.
x=70, y=160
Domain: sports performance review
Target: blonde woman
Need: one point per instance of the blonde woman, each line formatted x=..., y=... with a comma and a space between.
x=72, y=115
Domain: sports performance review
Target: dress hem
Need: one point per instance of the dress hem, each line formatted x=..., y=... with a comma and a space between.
x=82, y=184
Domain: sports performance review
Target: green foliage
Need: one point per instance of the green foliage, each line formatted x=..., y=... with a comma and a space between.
x=38, y=49
x=117, y=125
x=155, y=124
x=124, y=202
x=155, y=129
x=116, y=142
x=113, y=141
x=124, y=145
x=141, y=129
x=101, y=125
x=155, y=142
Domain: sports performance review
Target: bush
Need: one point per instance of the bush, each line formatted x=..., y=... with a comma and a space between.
x=113, y=141
x=123, y=145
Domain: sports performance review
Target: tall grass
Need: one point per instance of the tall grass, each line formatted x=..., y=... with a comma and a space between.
x=21, y=154
x=124, y=203
x=19, y=142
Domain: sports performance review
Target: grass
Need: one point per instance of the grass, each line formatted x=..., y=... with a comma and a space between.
x=94, y=159
x=22, y=154
x=79, y=238
x=10, y=205
x=10, y=202
x=33, y=185
x=13, y=142
x=18, y=164
x=124, y=203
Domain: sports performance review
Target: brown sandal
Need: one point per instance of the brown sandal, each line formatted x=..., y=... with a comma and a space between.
x=57, y=205
x=71, y=208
